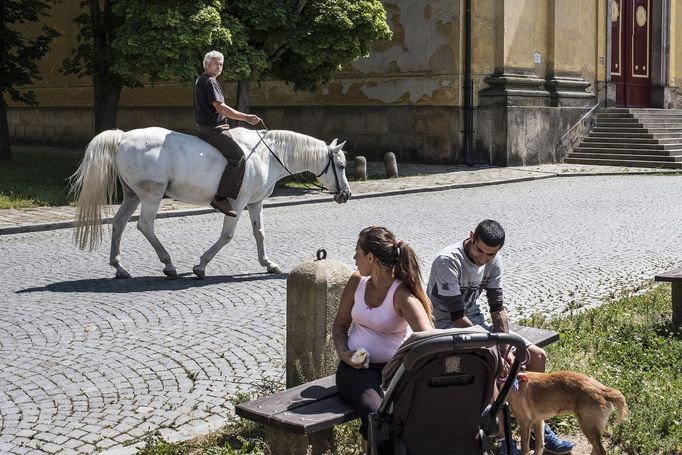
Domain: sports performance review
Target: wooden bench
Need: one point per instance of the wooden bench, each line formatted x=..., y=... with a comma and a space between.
x=675, y=279
x=314, y=408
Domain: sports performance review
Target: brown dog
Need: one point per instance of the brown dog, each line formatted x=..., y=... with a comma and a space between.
x=544, y=395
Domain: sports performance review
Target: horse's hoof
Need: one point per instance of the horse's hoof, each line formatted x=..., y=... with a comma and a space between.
x=201, y=274
x=122, y=274
x=274, y=269
x=170, y=272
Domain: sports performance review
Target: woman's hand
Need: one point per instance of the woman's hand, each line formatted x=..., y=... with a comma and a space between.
x=347, y=356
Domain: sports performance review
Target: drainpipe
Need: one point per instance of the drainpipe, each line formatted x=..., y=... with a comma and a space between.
x=468, y=88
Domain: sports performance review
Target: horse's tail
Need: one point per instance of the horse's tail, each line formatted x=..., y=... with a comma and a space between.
x=94, y=185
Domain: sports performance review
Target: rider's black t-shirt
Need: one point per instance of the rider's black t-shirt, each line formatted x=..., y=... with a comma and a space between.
x=206, y=91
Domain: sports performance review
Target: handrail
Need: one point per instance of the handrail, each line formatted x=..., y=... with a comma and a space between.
x=579, y=121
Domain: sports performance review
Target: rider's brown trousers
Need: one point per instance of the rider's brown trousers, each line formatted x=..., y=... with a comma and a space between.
x=219, y=137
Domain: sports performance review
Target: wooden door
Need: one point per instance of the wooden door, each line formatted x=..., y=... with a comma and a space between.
x=631, y=52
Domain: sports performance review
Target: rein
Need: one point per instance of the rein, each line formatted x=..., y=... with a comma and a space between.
x=295, y=176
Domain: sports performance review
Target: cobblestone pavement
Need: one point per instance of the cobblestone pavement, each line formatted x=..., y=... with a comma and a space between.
x=90, y=362
x=413, y=178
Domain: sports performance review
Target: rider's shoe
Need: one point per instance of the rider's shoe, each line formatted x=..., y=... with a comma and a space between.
x=224, y=207
x=553, y=443
x=502, y=448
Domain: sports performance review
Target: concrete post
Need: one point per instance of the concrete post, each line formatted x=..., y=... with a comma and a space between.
x=314, y=290
x=391, y=165
x=360, y=168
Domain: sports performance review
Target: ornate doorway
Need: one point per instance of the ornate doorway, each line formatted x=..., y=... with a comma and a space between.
x=631, y=52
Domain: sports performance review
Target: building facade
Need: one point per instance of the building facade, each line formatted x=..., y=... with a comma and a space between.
x=534, y=67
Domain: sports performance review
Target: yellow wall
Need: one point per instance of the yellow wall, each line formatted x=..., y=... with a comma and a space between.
x=576, y=29
x=675, y=78
x=421, y=65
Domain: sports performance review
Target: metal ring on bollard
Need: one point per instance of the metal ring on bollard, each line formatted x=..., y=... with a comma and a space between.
x=321, y=254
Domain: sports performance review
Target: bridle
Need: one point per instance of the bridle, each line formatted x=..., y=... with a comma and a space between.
x=330, y=163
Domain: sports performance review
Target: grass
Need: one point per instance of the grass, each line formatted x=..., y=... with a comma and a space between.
x=35, y=178
x=627, y=343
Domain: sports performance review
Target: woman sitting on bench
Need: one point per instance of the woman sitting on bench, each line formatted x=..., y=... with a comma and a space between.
x=385, y=302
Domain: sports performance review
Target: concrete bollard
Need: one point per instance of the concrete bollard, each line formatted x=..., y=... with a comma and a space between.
x=314, y=290
x=360, y=168
x=391, y=165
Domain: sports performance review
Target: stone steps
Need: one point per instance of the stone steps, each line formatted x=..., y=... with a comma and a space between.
x=634, y=140
x=633, y=137
x=667, y=155
x=623, y=162
x=621, y=156
x=623, y=144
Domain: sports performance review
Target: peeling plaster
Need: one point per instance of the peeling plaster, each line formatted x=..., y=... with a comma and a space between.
x=401, y=90
x=418, y=35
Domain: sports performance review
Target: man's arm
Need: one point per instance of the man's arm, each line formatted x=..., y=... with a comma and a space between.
x=226, y=111
x=500, y=321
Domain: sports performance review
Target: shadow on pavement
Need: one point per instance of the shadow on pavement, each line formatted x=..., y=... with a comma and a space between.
x=150, y=283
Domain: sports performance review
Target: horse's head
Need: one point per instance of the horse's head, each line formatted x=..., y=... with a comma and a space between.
x=334, y=174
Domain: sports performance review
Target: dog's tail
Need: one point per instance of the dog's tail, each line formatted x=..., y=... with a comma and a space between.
x=618, y=400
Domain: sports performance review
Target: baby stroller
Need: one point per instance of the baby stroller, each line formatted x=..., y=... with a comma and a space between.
x=438, y=392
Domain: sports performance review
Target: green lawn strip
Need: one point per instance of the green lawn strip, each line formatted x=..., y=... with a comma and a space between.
x=36, y=178
x=629, y=344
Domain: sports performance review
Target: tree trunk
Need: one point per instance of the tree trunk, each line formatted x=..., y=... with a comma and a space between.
x=106, y=106
x=243, y=98
x=5, y=149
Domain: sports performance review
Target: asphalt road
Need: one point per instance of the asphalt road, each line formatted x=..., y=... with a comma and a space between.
x=88, y=362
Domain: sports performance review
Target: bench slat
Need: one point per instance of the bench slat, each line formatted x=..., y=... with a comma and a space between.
x=672, y=275
x=315, y=417
x=303, y=409
x=539, y=337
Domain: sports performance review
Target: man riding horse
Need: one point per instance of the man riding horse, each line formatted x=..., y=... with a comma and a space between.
x=211, y=112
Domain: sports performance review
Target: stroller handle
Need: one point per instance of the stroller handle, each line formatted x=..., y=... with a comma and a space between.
x=463, y=342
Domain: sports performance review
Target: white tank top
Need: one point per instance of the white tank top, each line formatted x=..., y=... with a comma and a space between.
x=379, y=330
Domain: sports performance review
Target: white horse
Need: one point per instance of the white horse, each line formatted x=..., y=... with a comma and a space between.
x=153, y=162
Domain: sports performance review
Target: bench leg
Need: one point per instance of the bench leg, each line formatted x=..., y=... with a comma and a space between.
x=677, y=304
x=284, y=443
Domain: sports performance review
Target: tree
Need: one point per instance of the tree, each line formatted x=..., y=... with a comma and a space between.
x=123, y=42
x=18, y=55
x=303, y=42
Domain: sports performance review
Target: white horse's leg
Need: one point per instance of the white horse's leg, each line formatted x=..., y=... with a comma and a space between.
x=128, y=206
x=146, y=225
x=229, y=226
x=256, y=214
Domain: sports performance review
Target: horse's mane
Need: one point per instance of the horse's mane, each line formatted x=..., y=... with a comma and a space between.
x=296, y=150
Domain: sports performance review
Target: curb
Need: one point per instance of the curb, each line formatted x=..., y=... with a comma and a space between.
x=314, y=199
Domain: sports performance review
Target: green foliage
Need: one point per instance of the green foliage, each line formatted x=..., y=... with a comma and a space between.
x=18, y=53
x=629, y=344
x=94, y=55
x=129, y=40
x=304, y=42
x=167, y=39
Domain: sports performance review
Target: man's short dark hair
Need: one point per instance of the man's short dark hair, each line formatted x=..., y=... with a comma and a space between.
x=490, y=232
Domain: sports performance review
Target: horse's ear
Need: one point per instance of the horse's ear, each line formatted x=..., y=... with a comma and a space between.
x=333, y=144
x=340, y=146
